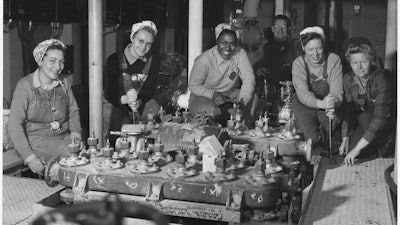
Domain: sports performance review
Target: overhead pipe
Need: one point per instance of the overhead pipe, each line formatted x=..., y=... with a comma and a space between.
x=95, y=70
x=391, y=35
x=332, y=20
x=279, y=7
x=283, y=7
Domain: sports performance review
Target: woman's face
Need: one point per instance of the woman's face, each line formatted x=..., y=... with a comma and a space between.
x=141, y=43
x=52, y=64
x=360, y=64
x=226, y=45
x=314, y=50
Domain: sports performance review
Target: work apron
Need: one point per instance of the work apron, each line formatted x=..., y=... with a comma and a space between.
x=45, y=142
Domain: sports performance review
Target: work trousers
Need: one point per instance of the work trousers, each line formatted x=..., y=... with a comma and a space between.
x=313, y=123
x=383, y=145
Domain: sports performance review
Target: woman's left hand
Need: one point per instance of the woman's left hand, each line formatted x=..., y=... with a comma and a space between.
x=349, y=160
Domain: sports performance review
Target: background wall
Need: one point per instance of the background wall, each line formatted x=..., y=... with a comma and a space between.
x=370, y=23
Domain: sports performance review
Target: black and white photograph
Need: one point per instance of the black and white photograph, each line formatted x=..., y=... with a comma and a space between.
x=204, y=112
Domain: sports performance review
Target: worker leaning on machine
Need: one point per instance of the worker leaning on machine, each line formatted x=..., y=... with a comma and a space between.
x=220, y=75
x=44, y=115
x=134, y=71
x=368, y=126
x=317, y=79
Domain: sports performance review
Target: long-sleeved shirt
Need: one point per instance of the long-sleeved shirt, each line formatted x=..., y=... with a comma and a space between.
x=30, y=115
x=378, y=100
x=300, y=78
x=212, y=73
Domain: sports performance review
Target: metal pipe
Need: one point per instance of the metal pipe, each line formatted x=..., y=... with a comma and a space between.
x=279, y=7
x=332, y=20
x=391, y=35
x=283, y=7
x=251, y=8
x=195, y=31
x=95, y=70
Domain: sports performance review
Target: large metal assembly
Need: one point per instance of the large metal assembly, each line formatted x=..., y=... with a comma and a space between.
x=185, y=170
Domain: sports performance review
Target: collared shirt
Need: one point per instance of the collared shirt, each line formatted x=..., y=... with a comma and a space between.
x=378, y=96
x=300, y=79
x=36, y=82
x=212, y=73
x=129, y=57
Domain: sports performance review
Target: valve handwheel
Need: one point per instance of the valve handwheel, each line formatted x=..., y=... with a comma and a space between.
x=111, y=211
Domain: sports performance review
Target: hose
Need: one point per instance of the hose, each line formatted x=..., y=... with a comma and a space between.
x=389, y=180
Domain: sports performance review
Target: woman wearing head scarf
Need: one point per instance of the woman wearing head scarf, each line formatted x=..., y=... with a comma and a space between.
x=133, y=70
x=317, y=80
x=44, y=115
x=368, y=120
x=219, y=75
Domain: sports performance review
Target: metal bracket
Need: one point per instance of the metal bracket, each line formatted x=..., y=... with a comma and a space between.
x=154, y=191
x=80, y=183
x=234, y=200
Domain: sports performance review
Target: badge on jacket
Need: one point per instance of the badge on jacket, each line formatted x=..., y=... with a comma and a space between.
x=234, y=73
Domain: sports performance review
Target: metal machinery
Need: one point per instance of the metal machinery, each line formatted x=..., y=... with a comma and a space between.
x=255, y=176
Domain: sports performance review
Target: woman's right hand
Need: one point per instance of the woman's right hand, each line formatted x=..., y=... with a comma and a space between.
x=327, y=103
x=344, y=146
x=36, y=166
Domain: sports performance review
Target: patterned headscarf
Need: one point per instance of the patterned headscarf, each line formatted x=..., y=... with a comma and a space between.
x=140, y=25
x=41, y=48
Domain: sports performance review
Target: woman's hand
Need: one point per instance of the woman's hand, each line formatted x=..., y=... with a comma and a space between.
x=349, y=160
x=330, y=113
x=218, y=98
x=344, y=146
x=36, y=165
x=327, y=103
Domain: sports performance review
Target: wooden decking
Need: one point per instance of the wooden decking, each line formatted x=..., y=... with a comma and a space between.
x=343, y=194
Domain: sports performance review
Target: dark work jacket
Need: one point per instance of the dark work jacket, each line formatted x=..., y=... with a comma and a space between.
x=113, y=84
x=278, y=59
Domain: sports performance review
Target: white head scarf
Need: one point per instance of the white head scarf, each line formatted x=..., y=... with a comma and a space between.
x=140, y=25
x=224, y=26
x=314, y=29
x=41, y=48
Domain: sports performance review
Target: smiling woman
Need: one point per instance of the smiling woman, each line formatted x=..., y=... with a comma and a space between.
x=317, y=80
x=220, y=75
x=44, y=117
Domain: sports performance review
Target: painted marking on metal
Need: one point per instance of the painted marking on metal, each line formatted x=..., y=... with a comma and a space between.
x=99, y=181
x=66, y=177
x=131, y=185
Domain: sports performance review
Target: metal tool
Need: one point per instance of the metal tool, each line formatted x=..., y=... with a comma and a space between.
x=330, y=138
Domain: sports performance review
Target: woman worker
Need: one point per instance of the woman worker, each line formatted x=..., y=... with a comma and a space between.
x=135, y=70
x=317, y=80
x=219, y=75
x=368, y=120
x=44, y=115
